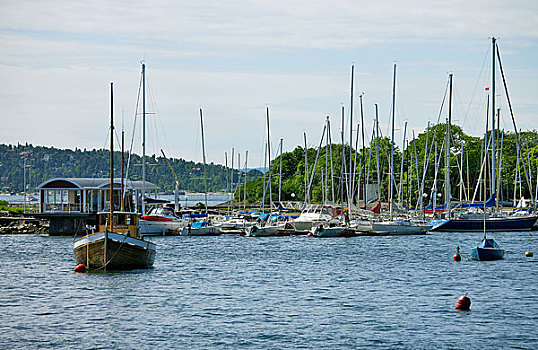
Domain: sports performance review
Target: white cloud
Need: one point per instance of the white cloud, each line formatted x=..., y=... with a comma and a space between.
x=233, y=57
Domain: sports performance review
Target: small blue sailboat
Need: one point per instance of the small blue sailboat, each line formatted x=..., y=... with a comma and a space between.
x=487, y=250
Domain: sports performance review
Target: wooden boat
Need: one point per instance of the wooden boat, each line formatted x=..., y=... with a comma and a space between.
x=487, y=250
x=116, y=246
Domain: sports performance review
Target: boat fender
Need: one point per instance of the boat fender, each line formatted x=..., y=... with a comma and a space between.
x=457, y=256
x=80, y=268
x=463, y=303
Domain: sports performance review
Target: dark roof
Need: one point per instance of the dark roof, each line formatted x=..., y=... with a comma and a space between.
x=92, y=183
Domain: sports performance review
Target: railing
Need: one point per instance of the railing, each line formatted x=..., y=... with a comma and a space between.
x=62, y=208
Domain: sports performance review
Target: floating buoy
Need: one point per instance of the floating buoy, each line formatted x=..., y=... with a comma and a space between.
x=529, y=254
x=457, y=256
x=463, y=303
x=80, y=268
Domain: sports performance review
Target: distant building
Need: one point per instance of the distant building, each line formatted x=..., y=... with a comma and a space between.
x=90, y=195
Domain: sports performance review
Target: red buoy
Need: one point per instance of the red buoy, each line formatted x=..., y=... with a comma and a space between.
x=80, y=268
x=463, y=303
x=457, y=256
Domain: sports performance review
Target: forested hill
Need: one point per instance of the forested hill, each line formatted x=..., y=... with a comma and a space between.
x=43, y=163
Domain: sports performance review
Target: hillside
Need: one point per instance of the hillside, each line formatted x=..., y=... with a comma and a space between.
x=43, y=163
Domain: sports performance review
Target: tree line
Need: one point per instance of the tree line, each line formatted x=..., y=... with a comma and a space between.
x=38, y=164
x=329, y=181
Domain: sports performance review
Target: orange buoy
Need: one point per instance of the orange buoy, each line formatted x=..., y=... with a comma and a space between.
x=463, y=303
x=80, y=268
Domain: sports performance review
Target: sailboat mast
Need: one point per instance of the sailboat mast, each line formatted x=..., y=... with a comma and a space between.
x=391, y=177
x=363, y=157
x=122, y=201
x=377, y=152
x=280, y=175
x=111, y=157
x=350, y=186
x=447, y=148
x=203, y=157
x=493, y=44
x=306, y=199
x=143, y=139
x=342, y=169
x=269, y=160
x=245, y=187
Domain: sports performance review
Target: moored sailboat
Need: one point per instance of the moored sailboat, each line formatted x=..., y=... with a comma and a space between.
x=117, y=245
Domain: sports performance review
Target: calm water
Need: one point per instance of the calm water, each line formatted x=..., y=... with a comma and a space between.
x=234, y=292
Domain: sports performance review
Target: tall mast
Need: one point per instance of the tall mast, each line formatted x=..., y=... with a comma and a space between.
x=111, y=155
x=122, y=201
x=143, y=139
x=245, y=187
x=400, y=191
x=493, y=44
x=306, y=200
x=203, y=157
x=350, y=186
x=343, y=167
x=447, y=148
x=363, y=157
x=377, y=152
x=280, y=176
x=232, y=181
x=391, y=177
x=325, y=192
x=269, y=161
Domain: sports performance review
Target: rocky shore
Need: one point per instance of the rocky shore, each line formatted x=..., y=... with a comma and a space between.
x=25, y=224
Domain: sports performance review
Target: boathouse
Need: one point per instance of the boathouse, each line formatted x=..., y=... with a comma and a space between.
x=88, y=195
x=72, y=203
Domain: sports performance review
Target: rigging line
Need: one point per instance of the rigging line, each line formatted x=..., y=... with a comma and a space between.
x=134, y=129
x=434, y=136
x=477, y=82
x=527, y=177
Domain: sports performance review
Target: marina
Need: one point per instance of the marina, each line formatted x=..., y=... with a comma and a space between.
x=269, y=175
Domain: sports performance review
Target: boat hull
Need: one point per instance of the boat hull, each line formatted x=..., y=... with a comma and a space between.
x=323, y=232
x=487, y=254
x=123, y=252
x=200, y=231
x=159, y=228
x=492, y=224
x=267, y=231
x=392, y=228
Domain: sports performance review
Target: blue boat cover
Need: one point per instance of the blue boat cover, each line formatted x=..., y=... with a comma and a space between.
x=200, y=224
x=488, y=243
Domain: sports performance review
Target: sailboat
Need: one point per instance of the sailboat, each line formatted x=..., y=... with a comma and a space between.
x=160, y=220
x=475, y=222
x=488, y=249
x=272, y=226
x=203, y=227
x=117, y=244
x=400, y=226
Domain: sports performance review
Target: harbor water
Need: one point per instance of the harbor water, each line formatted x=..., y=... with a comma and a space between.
x=233, y=292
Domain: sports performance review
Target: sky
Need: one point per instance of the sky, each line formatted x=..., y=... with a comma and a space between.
x=234, y=59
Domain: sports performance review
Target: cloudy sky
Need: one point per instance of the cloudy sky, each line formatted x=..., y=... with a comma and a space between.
x=234, y=58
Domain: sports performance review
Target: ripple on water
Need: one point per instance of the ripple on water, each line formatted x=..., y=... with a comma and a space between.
x=286, y=292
